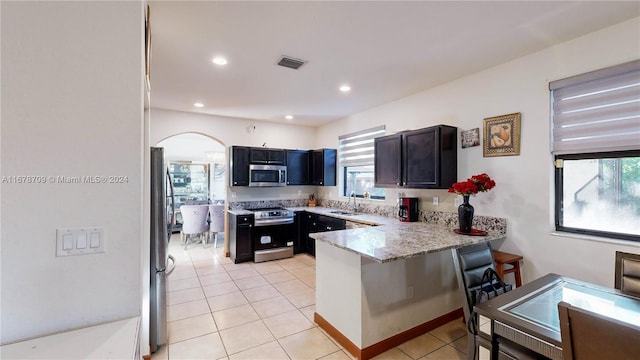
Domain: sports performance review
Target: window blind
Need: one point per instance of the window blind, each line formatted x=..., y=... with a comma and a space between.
x=597, y=111
x=356, y=149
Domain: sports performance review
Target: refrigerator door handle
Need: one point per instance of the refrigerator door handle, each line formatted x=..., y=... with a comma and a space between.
x=173, y=262
x=173, y=206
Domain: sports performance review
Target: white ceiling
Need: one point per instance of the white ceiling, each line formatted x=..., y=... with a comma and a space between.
x=385, y=50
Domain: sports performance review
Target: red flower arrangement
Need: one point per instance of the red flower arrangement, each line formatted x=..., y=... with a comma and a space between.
x=473, y=185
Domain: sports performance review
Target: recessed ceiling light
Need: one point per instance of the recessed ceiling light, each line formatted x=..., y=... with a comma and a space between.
x=219, y=60
x=345, y=88
x=288, y=117
x=199, y=105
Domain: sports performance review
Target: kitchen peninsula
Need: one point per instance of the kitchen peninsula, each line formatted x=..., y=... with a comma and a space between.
x=379, y=286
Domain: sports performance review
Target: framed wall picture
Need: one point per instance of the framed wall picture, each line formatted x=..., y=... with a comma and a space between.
x=502, y=135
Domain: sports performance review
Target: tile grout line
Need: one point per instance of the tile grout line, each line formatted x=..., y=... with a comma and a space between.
x=281, y=294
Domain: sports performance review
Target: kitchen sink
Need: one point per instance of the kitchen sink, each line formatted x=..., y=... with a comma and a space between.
x=340, y=212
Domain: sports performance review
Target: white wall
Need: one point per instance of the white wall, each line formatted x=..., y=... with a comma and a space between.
x=235, y=131
x=230, y=131
x=72, y=105
x=524, y=189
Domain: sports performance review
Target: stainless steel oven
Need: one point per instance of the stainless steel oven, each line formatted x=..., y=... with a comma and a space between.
x=274, y=234
x=267, y=175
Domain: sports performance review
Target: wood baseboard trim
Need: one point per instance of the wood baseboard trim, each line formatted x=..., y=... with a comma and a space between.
x=148, y=356
x=337, y=335
x=386, y=344
x=390, y=343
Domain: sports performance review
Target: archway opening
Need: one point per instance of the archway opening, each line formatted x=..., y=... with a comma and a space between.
x=196, y=164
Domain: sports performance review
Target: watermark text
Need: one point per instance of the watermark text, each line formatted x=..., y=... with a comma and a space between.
x=62, y=179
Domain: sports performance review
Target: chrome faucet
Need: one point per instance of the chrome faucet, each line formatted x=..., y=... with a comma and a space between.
x=353, y=195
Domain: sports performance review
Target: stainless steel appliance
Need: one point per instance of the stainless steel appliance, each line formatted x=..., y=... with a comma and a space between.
x=162, y=213
x=273, y=233
x=267, y=175
x=408, y=209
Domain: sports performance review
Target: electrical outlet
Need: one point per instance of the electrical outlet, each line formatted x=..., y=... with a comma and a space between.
x=436, y=200
x=457, y=201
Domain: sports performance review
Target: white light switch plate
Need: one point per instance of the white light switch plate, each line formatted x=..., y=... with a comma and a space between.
x=79, y=241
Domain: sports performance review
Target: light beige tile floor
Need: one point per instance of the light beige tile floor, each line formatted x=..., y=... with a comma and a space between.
x=221, y=310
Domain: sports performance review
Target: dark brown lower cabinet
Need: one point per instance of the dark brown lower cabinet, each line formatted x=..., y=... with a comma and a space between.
x=241, y=237
x=320, y=223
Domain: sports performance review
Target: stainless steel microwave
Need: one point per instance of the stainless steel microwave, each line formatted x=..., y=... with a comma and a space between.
x=267, y=175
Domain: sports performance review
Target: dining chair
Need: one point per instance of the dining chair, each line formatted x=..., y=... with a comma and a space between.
x=216, y=215
x=589, y=336
x=627, y=276
x=471, y=262
x=194, y=222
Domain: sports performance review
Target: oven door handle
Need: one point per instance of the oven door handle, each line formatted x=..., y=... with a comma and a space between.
x=273, y=222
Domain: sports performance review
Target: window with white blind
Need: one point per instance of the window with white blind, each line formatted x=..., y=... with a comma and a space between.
x=356, y=163
x=596, y=148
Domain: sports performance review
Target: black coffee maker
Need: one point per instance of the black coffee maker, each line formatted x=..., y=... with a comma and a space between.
x=408, y=209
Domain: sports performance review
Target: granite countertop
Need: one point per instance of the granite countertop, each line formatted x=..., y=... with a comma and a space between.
x=404, y=240
x=392, y=239
x=389, y=239
x=363, y=218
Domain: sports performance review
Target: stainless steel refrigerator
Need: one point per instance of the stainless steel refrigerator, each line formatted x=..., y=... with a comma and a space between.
x=162, y=212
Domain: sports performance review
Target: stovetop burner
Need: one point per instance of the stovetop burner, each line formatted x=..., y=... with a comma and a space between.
x=271, y=213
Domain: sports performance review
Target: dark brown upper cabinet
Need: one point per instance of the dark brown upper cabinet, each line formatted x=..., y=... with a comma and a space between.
x=323, y=167
x=425, y=158
x=239, y=166
x=298, y=169
x=267, y=156
x=304, y=167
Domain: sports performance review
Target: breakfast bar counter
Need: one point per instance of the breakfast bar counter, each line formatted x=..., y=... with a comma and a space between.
x=401, y=241
x=379, y=286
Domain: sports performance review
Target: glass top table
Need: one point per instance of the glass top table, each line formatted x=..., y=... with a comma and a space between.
x=528, y=315
x=542, y=308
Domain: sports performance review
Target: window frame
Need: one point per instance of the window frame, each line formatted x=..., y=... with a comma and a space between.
x=350, y=139
x=559, y=194
x=593, y=116
x=344, y=185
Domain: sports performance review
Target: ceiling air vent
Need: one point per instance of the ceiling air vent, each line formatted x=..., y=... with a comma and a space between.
x=290, y=62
